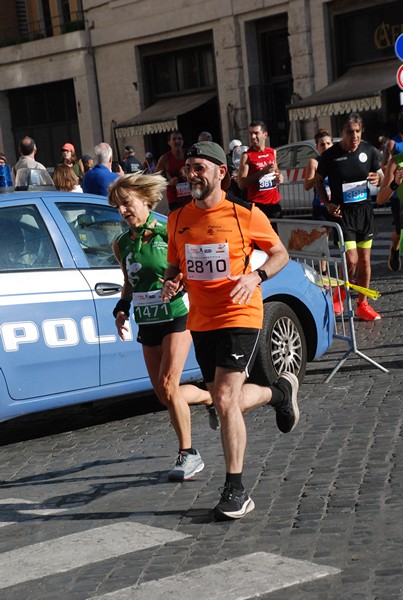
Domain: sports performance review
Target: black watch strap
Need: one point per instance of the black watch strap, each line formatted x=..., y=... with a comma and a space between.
x=393, y=185
x=262, y=274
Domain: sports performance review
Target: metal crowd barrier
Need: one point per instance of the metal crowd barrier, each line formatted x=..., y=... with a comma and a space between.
x=309, y=241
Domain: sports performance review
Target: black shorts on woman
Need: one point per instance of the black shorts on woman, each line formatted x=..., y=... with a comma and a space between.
x=153, y=334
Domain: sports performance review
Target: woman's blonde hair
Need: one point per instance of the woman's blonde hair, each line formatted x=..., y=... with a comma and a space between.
x=149, y=188
x=64, y=178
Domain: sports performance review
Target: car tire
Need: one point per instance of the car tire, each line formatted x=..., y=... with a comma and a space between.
x=282, y=345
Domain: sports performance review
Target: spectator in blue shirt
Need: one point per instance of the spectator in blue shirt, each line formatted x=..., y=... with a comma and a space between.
x=98, y=179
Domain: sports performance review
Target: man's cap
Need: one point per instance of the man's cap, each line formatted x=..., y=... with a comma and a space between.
x=209, y=150
x=212, y=152
x=86, y=157
x=149, y=154
x=234, y=144
x=129, y=149
x=70, y=147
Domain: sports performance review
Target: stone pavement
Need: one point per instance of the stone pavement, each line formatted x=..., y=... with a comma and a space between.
x=330, y=493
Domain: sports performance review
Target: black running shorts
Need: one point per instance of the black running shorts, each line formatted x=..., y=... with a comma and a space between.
x=358, y=222
x=152, y=335
x=232, y=348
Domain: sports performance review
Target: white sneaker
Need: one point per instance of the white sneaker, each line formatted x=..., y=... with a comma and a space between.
x=186, y=466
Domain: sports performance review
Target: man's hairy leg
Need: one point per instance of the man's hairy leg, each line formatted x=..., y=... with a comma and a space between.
x=253, y=396
x=226, y=392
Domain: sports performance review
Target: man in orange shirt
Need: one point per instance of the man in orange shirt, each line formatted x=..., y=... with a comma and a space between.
x=210, y=241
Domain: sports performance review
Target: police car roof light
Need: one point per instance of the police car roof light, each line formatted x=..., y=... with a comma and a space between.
x=33, y=180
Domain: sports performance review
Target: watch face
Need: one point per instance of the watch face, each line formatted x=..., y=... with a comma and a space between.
x=262, y=274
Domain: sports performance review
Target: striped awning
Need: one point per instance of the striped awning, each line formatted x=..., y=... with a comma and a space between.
x=162, y=116
x=358, y=90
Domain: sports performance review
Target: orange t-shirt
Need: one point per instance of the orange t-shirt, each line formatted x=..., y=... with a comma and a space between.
x=208, y=246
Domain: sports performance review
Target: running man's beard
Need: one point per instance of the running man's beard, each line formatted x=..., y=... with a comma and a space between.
x=196, y=193
x=200, y=192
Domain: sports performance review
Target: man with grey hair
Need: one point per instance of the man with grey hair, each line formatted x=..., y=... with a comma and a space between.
x=98, y=179
x=205, y=136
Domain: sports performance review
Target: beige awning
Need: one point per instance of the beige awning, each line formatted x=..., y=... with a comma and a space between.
x=358, y=90
x=162, y=116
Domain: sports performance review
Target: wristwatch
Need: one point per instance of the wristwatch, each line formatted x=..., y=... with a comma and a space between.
x=393, y=185
x=262, y=274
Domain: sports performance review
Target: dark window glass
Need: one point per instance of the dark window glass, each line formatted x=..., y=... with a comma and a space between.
x=47, y=113
x=37, y=106
x=66, y=11
x=25, y=243
x=47, y=16
x=278, y=54
x=276, y=84
x=206, y=66
x=363, y=36
x=18, y=108
x=165, y=80
x=179, y=71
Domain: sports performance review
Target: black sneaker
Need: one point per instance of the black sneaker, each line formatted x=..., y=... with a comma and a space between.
x=233, y=504
x=394, y=263
x=213, y=419
x=287, y=413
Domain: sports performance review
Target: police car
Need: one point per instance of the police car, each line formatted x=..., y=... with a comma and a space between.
x=59, y=282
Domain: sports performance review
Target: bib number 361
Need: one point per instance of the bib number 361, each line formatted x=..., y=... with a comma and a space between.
x=207, y=261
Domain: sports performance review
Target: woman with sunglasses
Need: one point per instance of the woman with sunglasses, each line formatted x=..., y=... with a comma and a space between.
x=141, y=252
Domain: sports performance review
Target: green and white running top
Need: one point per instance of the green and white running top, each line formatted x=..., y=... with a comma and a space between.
x=145, y=263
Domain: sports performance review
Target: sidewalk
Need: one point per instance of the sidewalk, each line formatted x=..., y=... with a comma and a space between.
x=330, y=493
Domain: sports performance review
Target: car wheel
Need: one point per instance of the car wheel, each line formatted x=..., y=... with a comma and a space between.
x=282, y=345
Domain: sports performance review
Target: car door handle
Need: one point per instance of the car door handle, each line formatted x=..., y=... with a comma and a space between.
x=107, y=289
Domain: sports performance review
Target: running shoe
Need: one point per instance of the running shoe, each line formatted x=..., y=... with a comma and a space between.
x=213, y=419
x=339, y=295
x=394, y=263
x=287, y=413
x=365, y=312
x=186, y=466
x=233, y=504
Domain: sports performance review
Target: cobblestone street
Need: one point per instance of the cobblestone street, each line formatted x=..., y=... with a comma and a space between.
x=329, y=494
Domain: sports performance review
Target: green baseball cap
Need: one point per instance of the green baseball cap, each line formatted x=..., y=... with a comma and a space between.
x=212, y=152
x=209, y=150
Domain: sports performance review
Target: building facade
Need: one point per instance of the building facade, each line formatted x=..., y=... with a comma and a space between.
x=131, y=71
